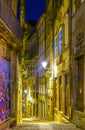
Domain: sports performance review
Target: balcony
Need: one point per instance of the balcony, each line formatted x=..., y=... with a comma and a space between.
x=8, y=19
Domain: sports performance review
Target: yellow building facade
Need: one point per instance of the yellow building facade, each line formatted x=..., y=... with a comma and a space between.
x=62, y=62
x=58, y=60
x=60, y=86
x=49, y=60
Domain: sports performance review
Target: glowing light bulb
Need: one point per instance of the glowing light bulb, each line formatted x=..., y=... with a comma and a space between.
x=44, y=64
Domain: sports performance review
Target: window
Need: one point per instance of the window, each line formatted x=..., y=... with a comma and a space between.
x=39, y=33
x=40, y=49
x=60, y=41
x=34, y=94
x=43, y=46
x=56, y=46
x=39, y=89
x=40, y=30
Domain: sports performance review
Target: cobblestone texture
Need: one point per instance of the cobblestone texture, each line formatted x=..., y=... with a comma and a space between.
x=46, y=126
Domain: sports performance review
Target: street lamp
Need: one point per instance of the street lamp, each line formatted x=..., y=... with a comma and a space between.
x=25, y=91
x=48, y=71
x=44, y=64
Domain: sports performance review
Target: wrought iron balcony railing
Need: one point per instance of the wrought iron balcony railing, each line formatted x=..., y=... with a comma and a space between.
x=9, y=20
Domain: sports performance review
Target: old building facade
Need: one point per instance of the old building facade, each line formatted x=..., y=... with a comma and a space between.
x=62, y=61
x=49, y=60
x=41, y=71
x=78, y=43
x=10, y=62
x=61, y=45
x=27, y=90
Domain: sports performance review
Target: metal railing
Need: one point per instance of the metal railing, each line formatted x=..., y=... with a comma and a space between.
x=9, y=20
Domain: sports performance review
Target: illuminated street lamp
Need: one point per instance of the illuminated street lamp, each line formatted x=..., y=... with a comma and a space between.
x=48, y=71
x=25, y=91
x=44, y=64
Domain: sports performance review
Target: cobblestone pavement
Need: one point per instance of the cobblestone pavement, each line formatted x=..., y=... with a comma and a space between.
x=46, y=126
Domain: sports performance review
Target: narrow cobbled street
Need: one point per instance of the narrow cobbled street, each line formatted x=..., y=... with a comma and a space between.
x=42, y=64
x=46, y=126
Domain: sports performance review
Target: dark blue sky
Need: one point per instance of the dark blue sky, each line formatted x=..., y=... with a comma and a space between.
x=34, y=8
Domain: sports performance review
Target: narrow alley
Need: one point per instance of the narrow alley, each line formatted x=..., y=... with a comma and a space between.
x=42, y=65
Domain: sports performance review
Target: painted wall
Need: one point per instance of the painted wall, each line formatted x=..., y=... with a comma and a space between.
x=4, y=89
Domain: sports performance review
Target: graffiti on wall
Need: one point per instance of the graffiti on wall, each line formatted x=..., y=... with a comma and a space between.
x=4, y=89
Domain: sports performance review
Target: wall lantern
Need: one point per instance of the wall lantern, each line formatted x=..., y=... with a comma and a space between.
x=25, y=91
x=44, y=64
x=48, y=71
